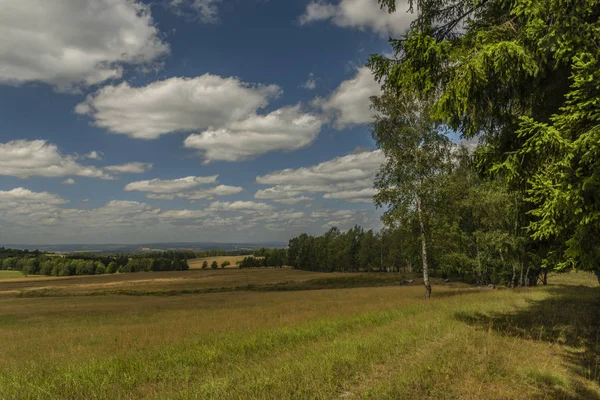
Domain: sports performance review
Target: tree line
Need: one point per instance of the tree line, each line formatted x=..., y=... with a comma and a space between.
x=37, y=263
x=521, y=79
x=472, y=231
x=265, y=258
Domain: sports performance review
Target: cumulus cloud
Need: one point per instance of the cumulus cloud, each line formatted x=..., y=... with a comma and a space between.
x=26, y=158
x=130, y=168
x=284, y=194
x=206, y=11
x=218, y=191
x=210, y=193
x=346, y=218
x=353, y=196
x=350, y=103
x=22, y=195
x=74, y=43
x=174, y=105
x=347, y=178
x=44, y=217
x=311, y=83
x=69, y=181
x=170, y=186
x=239, y=206
x=360, y=14
x=94, y=155
x=285, y=129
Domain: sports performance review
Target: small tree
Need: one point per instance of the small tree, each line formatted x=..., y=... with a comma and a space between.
x=205, y=265
x=214, y=265
x=225, y=264
x=100, y=269
x=112, y=267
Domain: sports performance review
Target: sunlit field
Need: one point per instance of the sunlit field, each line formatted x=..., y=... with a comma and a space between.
x=279, y=333
x=10, y=275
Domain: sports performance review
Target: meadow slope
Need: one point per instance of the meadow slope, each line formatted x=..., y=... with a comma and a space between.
x=276, y=340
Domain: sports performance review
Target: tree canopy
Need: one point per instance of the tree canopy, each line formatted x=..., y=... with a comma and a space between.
x=521, y=76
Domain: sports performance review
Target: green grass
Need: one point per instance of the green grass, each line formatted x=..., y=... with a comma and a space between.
x=11, y=275
x=378, y=342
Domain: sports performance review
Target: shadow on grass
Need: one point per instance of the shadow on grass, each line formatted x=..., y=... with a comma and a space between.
x=570, y=317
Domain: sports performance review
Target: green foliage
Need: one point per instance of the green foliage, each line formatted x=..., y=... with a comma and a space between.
x=214, y=265
x=522, y=76
x=112, y=267
x=273, y=258
x=225, y=264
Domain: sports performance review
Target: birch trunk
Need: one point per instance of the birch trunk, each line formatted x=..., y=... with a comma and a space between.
x=424, y=250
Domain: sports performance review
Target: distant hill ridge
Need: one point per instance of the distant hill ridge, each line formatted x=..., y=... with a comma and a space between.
x=142, y=247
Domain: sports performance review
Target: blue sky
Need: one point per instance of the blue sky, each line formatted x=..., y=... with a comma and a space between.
x=186, y=120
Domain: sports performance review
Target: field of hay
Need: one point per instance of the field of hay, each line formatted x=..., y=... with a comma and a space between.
x=283, y=334
x=197, y=262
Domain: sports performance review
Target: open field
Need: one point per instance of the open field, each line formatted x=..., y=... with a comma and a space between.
x=197, y=262
x=10, y=275
x=274, y=340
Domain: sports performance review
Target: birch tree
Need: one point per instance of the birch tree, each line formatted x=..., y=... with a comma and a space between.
x=417, y=161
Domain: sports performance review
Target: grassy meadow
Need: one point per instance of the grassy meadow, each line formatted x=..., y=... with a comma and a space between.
x=281, y=333
x=10, y=275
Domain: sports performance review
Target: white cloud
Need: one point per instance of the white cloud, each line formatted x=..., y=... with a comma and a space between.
x=285, y=194
x=26, y=158
x=211, y=193
x=153, y=196
x=350, y=168
x=94, y=155
x=347, y=178
x=311, y=83
x=160, y=186
x=285, y=129
x=69, y=181
x=205, y=10
x=175, y=105
x=221, y=190
x=361, y=14
x=74, y=43
x=350, y=103
x=239, y=206
x=353, y=196
x=130, y=168
x=183, y=214
x=26, y=196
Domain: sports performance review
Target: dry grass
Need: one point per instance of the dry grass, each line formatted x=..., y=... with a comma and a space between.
x=197, y=262
x=375, y=342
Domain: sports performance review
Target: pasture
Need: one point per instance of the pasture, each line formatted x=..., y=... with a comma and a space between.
x=264, y=334
x=11, y=275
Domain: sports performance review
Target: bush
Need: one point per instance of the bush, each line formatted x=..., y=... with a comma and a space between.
x=225, y=264
x=205, y=265
x=214, y=265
